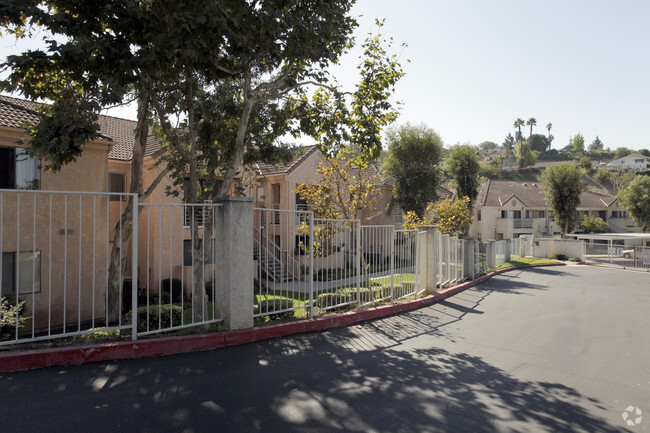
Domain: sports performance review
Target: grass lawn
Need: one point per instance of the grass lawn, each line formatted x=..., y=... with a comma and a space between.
x=526, y=261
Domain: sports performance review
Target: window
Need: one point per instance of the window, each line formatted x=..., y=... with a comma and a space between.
x=19, y=170
x=399, y=217
x=116, y=184
x=478, y=215
x=200, y=212
x=516, y=214
x=21, y=270
x=187, y=252
x=504, y=214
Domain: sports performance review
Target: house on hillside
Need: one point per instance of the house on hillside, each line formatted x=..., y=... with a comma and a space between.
x=634, y=161
x=509, y=209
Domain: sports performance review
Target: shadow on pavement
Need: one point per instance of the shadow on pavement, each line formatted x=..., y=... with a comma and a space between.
x=375, y=377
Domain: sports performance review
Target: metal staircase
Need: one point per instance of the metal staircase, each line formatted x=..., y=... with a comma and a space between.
x=269, y=259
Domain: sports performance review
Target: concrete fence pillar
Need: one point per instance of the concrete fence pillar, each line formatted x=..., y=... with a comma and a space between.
x=468, y=259
x=234, y=246
x=428, y=259
x=491, y=253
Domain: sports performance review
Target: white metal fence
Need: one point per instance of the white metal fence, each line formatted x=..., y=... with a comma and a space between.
x=62, y=278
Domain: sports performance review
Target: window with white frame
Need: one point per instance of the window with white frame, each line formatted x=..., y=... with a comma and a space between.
x=21, y=272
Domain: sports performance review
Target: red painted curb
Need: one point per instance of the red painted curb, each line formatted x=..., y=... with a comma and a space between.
x=121, y=350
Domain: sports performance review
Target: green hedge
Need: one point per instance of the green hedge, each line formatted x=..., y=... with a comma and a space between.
x=160, y=317
x=271, y=305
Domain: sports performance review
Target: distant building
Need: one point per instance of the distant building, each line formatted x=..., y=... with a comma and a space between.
x=634, y=161
x=509, y=209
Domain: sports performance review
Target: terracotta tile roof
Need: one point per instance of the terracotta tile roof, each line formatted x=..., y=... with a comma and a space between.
x=122, y=131
x=15, y=113
x=302, y=153
x=531, y=194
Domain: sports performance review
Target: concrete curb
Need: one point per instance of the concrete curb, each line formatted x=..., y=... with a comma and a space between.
x=16, y=361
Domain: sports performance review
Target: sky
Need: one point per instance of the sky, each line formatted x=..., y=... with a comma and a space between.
x=476, y=66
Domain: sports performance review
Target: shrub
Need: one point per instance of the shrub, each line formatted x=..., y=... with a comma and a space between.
x=159, y=317
x=162, y=298
x=174, y=287
x=272, y=305
x=11, y=315
x=559, y=256
x=326, y=300
x=574, y=259
x=98, y=334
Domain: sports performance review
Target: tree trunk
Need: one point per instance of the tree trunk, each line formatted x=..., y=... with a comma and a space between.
x=119, y=253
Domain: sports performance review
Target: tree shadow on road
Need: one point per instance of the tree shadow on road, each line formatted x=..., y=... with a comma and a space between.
x=378, y=377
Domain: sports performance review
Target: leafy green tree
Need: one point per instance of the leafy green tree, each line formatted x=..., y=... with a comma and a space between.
x=451, y=218
x=645, y=152
x=488, y=145
x=636, y=199
x=563, y=185
x=622, y=152
x=525, y=156
x=586, y=164
x=538, y=143
x=413, y=161
x=165, y=56
x=463, y=165
x=509, y=142
x=591, y=224
x=578, y=144
x=596, y=145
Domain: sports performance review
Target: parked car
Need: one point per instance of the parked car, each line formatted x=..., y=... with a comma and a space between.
x=628, y=254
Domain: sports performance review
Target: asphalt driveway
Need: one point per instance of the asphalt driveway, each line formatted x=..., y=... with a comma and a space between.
x=562, y=349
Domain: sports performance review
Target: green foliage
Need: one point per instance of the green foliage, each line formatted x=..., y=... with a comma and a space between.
x=352, y=124
x=591, y=224
x=559, y=256
x=563, y=188
x=413, y=163
x=451, y=218
x=488, y=145
x=636, y=199
x=509, y=142
x=98, y=334
x=586, y=164
x=596, y=145
x=525, y=156
x=578, y=143
x=11, y=316
x=463, y=165
x=157, y=317
x=539, y=143
x=275, y=304
x=622, y=152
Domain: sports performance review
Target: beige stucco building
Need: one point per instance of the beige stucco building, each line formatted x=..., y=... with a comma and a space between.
x=510, y=209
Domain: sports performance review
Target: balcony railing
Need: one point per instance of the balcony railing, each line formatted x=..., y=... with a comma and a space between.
x=523, y=223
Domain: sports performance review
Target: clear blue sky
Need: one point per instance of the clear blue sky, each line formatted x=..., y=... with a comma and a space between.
x=477, y=65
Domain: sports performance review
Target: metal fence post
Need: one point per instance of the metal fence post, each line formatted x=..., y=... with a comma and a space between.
x=310, y=217
x=134, y=269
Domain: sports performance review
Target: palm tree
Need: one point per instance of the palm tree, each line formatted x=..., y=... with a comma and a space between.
x=532, y=122
x=518, y=124
x=550, y=137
